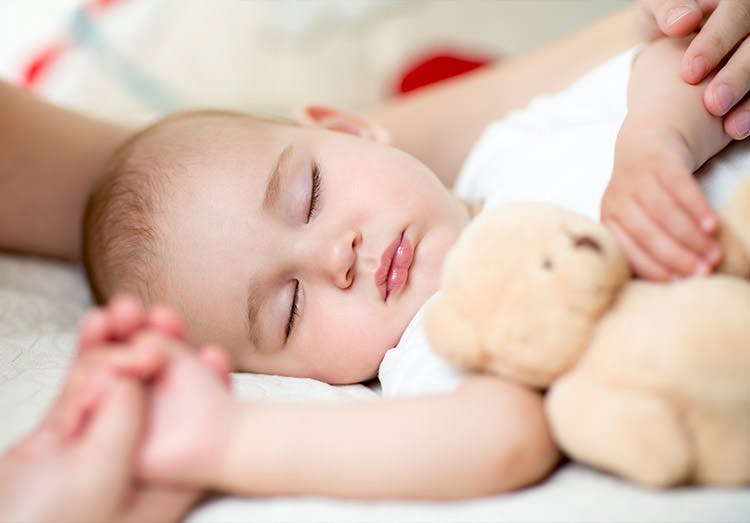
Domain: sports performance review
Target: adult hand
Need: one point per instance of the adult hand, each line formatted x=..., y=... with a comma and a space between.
x=78, y=463
x=723, y=42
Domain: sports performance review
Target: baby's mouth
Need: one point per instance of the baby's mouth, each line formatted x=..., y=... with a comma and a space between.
x=393, y=271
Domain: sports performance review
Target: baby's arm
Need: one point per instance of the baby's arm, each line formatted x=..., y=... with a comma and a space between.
x=653, y=203
x=488, y=436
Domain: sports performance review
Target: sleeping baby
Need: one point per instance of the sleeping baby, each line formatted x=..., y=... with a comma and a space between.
x=309, y=248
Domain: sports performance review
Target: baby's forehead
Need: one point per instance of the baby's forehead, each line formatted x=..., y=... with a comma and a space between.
x=207, y=124
x=203, y=137
x=197, y=130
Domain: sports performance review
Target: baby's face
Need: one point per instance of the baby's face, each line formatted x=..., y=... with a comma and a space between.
x=304, y=251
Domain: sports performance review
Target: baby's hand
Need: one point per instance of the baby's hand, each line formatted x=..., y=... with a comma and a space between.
x=188, y=411
x=655, y=207
x=187, y=388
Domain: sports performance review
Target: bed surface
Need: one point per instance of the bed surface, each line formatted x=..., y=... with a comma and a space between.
x=41, y=302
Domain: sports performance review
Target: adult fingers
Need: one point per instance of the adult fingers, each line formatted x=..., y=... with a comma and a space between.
x=727, y=26
x=737, y=122
x=80, y=394
x=106, y=453
x=674, y=18
x=90, y=378
x=731, y=83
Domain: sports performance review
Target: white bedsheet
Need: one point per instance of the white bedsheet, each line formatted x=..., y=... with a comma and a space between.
x=41, y=302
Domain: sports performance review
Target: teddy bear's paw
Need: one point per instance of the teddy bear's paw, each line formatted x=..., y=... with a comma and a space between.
x=722, y=443
x=628, y=432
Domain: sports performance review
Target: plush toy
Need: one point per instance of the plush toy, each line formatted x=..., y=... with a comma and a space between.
x=647, y=380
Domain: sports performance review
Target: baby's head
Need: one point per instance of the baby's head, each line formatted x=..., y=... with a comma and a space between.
x=303, y=250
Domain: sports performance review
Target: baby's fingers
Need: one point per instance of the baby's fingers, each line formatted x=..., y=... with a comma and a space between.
x=165, y=319
x=641, y=263
x=122, y=317
x=658, y=244
x=687, y=193
x=93, y=330
x=216, y=359
x=679, y=225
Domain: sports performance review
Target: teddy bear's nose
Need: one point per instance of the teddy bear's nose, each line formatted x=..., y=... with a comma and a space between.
x=587, y=242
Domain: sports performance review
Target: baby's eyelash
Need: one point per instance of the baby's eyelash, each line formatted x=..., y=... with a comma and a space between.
x=315, y=193
x=293, y=312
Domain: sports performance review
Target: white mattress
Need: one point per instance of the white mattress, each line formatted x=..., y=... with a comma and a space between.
x=41, y=302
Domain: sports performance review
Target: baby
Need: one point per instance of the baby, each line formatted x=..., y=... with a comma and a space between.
x=271, y=238
x=309, y=252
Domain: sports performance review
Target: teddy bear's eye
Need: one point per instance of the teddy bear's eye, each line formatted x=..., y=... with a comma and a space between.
x=547, y=264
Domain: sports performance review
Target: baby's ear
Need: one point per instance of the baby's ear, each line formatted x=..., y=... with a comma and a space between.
x=340, y=120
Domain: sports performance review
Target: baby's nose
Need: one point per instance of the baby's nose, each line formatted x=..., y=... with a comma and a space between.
x=339, y=258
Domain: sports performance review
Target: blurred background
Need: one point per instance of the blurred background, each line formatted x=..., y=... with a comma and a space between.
x=133, y=60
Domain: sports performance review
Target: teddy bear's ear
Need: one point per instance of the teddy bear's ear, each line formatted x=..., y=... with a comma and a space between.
x=451, y=336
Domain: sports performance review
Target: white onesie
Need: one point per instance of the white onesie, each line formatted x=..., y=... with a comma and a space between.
x=559, y=149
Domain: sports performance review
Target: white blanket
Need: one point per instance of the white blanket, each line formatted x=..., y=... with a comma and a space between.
x=41, y=302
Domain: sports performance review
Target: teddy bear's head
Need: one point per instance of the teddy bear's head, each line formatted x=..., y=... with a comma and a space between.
x=522, y=290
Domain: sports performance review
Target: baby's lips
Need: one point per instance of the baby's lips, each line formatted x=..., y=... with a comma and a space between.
x=400, y=266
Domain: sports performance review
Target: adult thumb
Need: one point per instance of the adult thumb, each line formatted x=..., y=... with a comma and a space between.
x=106, y=450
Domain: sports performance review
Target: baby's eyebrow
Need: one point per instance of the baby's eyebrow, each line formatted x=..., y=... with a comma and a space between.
x=274, y=180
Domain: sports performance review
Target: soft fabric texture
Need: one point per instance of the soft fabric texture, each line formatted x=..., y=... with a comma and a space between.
x=559, y=149
x=412, y=368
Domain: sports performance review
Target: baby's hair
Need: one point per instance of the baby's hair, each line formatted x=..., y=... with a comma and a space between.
x=120, y=236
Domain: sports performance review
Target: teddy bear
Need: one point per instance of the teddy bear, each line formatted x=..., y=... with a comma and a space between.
x=646, y=380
